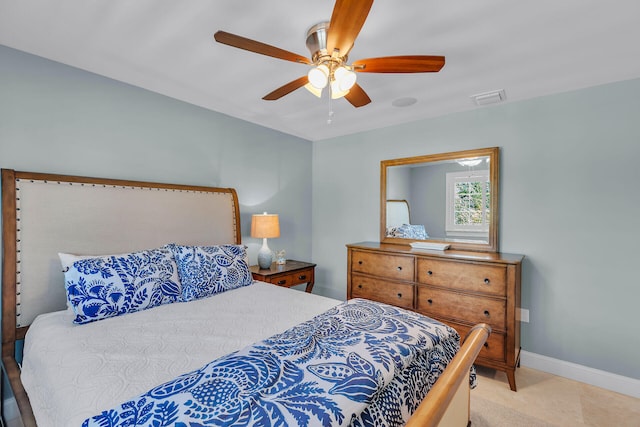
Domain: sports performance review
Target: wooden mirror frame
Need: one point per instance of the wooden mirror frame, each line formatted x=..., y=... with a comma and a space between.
x=494, y=166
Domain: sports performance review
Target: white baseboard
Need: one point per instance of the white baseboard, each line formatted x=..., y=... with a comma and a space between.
x=584, y=374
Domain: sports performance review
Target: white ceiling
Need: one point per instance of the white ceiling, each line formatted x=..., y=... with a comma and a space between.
x=528, y=48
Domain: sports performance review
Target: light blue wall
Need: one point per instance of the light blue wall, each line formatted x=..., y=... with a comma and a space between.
x=568, y=196
x=58, y=119
x=429, y=197
x=569, y=201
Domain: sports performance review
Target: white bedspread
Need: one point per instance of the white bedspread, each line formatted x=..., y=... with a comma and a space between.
x=72, y=372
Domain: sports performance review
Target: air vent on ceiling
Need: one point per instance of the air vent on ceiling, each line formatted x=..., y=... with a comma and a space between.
x=489, y=97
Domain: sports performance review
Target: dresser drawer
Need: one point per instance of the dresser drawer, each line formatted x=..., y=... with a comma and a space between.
x=291, y=279
x=304, y=276
x=466, y=308
x=391, y=266
x=490, y=279
x=493, y=348
x=398, y=294
x=282, y=280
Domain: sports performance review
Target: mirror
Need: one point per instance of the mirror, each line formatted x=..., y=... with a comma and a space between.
x=447, y=198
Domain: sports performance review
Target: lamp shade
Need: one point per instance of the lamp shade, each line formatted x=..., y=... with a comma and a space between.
x=345, y=78
x=336, y=92
x=265, y=225
x=318, y=76
x=314, y=90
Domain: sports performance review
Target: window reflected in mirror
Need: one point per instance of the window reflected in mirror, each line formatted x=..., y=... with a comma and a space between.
x=467, y=203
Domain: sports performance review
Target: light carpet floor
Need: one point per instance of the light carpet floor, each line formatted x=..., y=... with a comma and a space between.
x=485, y=413
x=546, y=400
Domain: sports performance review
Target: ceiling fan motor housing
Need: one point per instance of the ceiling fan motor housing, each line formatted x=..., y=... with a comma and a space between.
x=317, y=42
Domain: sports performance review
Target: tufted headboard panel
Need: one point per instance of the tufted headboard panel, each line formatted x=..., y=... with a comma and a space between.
x=44, y=214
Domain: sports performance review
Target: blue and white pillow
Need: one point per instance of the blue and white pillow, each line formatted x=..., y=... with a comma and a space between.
x=208, y=270
x=99, y=287
x=408, y=231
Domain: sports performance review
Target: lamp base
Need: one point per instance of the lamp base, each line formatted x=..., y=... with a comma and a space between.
x=265, y=257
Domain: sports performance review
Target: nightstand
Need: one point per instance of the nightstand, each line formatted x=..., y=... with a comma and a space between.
x=290, y=274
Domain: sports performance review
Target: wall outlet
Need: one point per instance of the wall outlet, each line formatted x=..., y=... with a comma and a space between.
x=523, y=315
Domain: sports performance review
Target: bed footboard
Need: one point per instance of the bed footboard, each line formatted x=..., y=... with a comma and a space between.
x=446, y=405
x=451, y=386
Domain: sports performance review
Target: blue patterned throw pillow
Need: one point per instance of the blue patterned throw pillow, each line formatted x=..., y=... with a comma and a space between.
x=208, y=270
x=410, y=231
x=99, y=287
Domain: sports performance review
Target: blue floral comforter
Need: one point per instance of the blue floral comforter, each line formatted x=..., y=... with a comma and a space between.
x=360, y=363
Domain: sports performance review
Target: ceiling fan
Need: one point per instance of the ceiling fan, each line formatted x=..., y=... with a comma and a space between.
x=330, y=43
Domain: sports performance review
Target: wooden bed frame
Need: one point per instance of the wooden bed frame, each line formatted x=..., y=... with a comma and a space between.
x=41, y=210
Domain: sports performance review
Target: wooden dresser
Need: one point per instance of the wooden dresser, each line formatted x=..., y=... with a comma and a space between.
x=455, y=287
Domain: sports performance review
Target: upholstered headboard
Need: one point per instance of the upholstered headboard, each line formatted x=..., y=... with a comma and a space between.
x=46, y=214
x=397, y=213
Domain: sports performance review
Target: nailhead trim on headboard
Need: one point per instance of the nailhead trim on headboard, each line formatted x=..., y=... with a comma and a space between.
x=22, y=185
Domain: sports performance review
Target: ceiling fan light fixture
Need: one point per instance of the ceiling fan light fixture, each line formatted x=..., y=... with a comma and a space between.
x=336, y=92
x=314, y=90
x=345, y=78
x=319, y=76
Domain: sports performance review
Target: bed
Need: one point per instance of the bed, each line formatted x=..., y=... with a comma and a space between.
x=399, y=221
x=184, y=361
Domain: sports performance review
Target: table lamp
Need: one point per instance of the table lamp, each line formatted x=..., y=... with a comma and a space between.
x=265, y=226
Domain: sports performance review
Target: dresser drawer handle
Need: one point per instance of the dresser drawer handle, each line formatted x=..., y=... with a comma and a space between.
x=359, y=286
x=399, y=295
x=486, y=313
x=486, y=345
x=360, y=262
x=302, y=277
x=430, y=301
x=399, y=268
x=282, y=282
x=487, y=281
x=430, y=273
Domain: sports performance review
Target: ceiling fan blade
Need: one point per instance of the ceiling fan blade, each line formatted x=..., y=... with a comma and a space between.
x=286, y=89
x=258, y=47
x=347, y=20
x=400, y=64
x=357, y=96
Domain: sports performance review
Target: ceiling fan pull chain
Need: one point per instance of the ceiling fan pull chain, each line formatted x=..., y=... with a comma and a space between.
x=330, y=119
